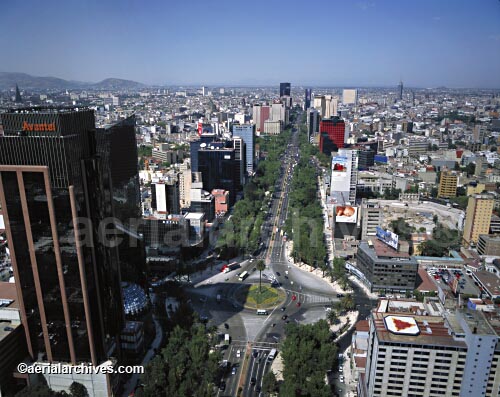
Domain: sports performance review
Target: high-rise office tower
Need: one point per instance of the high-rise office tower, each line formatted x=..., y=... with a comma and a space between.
x=350, y=97
x=400, y=90
x=54, y=191
x=372, y=216
x=285, y=89
x=261, y=113
x=246, y=132
x=195, y=145
x=18, y=98
x=334, y=130
x=477, y=217
x=448, y=184
x=240, y=157
x=319, y=103
x=279, y=113
x=307, y=98
x=217, y=165
x=116, y=144
x=479, y=133
x=166, y=196
x=312, y=122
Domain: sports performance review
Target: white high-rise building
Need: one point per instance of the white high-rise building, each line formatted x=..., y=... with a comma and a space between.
x=421, y=349
x=350, y=96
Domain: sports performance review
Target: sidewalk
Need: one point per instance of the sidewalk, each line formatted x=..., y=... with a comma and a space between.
x=365, y=289
x=348, y=373
x=306, y=268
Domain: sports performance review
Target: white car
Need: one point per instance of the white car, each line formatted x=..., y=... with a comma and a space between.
x=341, y=378
x=238, y=353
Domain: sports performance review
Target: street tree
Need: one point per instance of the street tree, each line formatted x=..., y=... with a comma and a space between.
x=261, y=266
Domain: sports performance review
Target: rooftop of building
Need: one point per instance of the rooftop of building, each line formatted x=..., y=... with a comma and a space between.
x=417, y=329
x=195, y=215
x=427, y=284
x=489, y=280
x=382, y=250
x=8, y=293
x=362, y=326
x=477, y=321
x=47, y=109
x=490, y=237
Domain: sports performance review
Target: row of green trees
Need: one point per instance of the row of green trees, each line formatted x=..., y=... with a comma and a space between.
x=308, y=352
x=305, y=217
x=186, y=367
x=240, y=234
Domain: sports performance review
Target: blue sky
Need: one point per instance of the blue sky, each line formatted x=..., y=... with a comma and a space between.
x=426, y=43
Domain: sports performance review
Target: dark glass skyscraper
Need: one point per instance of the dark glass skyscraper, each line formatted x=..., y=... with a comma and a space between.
x=400, y=90
x=55, y=194
x=218, y=167
x=307, y=99
x=285, y=89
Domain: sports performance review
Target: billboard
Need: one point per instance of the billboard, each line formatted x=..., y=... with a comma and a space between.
x=341, y=174
x=401, y=325
x=388, y=237
x=346, y=214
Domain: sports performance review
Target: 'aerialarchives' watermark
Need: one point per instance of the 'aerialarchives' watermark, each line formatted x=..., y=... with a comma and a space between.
x=79, y=369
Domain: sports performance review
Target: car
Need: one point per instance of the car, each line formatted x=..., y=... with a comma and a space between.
x=278, y=274
x=257, y=388
x=284, y=317
x=238, y=353
x=273, y=325
x=222, y=386
x=340, y=295
x=203, y=299
x=233, y=371
x=340, y=369
x=255, y=353
x=253, y=381
x=294, y=297
x=298, y=304
x=341, y=379
x=226, y=325
x=283, y=308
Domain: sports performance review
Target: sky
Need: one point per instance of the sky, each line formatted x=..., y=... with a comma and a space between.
x=425, y=43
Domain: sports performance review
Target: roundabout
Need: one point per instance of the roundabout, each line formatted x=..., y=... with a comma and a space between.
x=248, y=296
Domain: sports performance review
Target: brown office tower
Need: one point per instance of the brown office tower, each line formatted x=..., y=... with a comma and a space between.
x=54, y=192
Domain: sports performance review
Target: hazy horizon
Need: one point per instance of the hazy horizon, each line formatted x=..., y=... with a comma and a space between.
x=426, y=44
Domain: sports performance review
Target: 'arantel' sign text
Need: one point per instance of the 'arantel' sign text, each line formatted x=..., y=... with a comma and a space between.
x=39, y=127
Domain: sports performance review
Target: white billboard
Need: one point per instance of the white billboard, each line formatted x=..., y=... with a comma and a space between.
x=388, y=237
x=346, y=214
x=401, y=325
x=341, y=174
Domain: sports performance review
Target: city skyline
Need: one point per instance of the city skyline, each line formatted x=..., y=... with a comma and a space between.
x=346, y=44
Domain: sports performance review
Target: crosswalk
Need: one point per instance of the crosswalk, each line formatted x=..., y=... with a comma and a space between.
x=310, y=298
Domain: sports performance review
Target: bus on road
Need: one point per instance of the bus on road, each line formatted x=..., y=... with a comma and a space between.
x=243, y=275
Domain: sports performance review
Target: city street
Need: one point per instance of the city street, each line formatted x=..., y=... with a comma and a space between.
x=253, y=335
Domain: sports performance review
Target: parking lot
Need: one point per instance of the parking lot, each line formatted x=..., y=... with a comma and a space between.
x=445, y=279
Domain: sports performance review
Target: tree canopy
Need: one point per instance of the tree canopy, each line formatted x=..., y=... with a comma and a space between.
x=308, y=352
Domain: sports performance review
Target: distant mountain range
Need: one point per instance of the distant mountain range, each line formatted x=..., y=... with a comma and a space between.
x=25, y=81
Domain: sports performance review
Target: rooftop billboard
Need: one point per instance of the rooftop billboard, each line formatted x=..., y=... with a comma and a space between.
x=388, y=237
x=346, y=214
